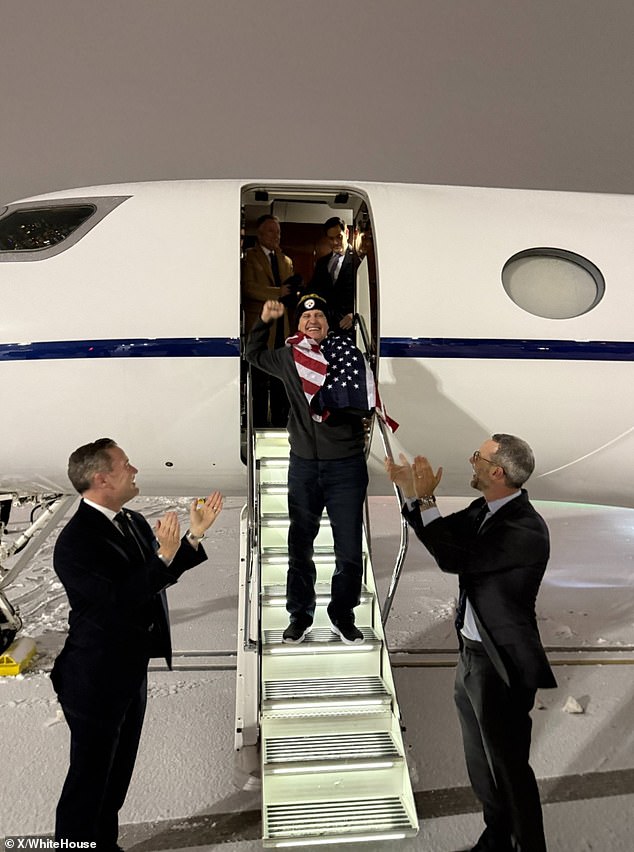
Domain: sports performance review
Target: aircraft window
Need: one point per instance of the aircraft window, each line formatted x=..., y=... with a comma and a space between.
x=26, y=230
x=553, y=283
x=38, y=230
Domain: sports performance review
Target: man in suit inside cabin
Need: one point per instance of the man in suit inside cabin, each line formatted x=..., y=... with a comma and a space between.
x=335, y=275
x=265, y=273
x=498, y=546
x=115, y=571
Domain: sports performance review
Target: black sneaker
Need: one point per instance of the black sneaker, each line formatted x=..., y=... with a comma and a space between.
x=296, y=632
x=348, y=632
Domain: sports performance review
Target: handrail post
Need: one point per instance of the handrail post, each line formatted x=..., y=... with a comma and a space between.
x=403, y=544
x=250, y=644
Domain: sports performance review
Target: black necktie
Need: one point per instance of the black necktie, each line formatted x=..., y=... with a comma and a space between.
x=480, y=517
x=460, y=609
x=123, y=523
x=483, y=511
x=276, y=269
x=332, y=266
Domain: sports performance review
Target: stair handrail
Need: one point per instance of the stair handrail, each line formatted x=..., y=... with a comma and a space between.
x=371, y=355
x=250, y=644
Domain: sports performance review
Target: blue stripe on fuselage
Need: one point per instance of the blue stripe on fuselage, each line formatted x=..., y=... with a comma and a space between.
x=541, y=350
x=391, y=347
x=167, y=347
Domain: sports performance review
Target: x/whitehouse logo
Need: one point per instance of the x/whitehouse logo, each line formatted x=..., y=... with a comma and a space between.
x=46, y=843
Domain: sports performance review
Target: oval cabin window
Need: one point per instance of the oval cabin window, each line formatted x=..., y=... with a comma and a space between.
x=553, y=283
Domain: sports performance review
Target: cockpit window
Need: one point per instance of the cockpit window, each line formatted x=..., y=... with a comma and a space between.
x=39, y=230
x=27, y=230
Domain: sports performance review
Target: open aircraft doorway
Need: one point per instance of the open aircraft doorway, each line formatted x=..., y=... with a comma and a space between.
x=301, y=213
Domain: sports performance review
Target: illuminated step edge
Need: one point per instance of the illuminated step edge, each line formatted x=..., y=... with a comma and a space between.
x=273, y=488
x=275, y=594
x=348, y=820
x=319, y=640
x=274, y=519
x=279, y=555
x=273, y=472
x=273, y=449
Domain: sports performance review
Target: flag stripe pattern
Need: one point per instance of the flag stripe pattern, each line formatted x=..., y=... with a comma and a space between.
x=311, y=366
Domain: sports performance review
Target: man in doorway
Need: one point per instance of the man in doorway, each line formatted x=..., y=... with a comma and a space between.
x=335, y=275
x=115, y=571
x=265, y=273
x=498, y=546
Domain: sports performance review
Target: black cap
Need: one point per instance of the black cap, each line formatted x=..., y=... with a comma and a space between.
x=311, y=302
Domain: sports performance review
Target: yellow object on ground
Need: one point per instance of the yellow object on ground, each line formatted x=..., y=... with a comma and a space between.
x=17, y=656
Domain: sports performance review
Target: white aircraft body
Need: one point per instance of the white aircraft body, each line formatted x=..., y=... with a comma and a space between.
x=491, y=310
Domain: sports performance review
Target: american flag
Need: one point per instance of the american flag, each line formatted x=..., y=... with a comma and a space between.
x=334, y=376
x=349, y=381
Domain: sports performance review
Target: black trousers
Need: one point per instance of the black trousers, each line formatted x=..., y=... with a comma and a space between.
x=496, y=732
x=102, y=756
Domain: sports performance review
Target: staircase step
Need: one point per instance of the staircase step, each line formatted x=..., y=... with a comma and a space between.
x=349, y=819
x=274, y=534
x=276, y=519
x=324, y=752
x=272, y=444
x=276, y=555
x=319, y=640
x=275, y=594
x=334, y=695
x=273, y=471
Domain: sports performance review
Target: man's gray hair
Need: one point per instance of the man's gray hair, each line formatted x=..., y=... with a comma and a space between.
x=88, y=460
x=516, y=457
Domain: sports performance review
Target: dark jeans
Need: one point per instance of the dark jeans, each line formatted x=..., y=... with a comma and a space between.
x=496, y=733
x=339, y=486
x=102, y=756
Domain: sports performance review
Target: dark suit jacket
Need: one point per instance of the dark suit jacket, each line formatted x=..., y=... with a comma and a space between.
x=500, y=568
x=118, y=610
x=340, y=296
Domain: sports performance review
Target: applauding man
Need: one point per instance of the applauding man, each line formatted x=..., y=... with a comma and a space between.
x=115, y=571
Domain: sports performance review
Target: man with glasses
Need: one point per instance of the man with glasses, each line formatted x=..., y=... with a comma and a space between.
x=498, y=546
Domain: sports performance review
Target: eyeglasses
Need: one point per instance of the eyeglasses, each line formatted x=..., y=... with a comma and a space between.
x=476, y=455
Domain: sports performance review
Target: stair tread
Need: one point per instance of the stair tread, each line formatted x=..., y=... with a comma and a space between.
x=333, y=817
x=330, y=747
x=278, y=590
x=323, y=553
x=324, y=687
x=319, y=637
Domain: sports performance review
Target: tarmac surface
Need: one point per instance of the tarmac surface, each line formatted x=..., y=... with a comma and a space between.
x=188, y=790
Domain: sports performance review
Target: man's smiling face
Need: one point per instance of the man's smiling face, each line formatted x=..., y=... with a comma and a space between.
x=314, y=324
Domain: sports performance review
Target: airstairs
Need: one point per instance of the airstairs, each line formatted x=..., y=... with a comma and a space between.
x=333, y=767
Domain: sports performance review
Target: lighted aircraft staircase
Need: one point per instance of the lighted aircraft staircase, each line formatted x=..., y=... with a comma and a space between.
x=332, y=758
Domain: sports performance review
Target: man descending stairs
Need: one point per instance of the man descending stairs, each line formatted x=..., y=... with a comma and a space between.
x=330, y=390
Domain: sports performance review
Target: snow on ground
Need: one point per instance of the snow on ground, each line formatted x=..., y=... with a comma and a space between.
x=186, y=764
